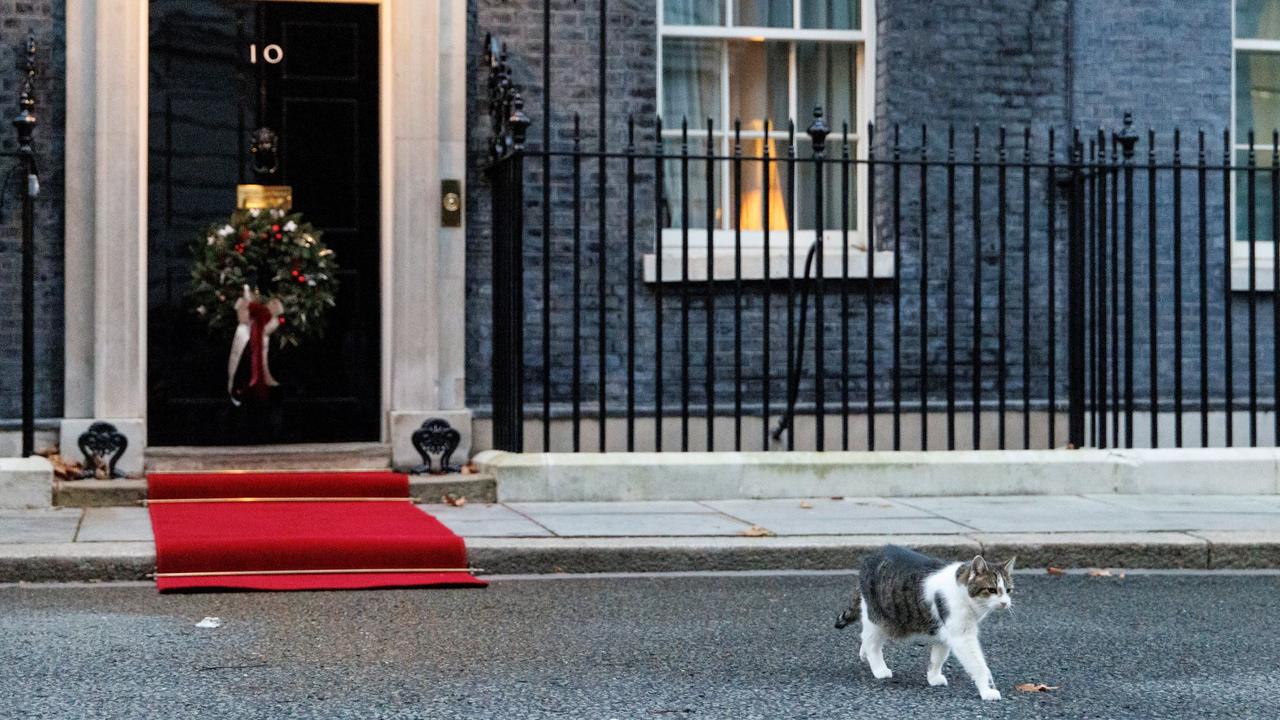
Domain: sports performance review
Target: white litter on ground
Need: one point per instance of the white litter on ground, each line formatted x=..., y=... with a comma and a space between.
x=210, y=622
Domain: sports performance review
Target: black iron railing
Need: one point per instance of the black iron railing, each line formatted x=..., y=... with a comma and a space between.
x=1036, y=293
x=751, y=287
x=25, y=176
x=1025, y=296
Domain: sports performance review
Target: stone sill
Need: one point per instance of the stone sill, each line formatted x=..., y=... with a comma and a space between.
x=1263, y=279
x=723, y=262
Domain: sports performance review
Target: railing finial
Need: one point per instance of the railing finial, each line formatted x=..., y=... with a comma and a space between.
x=506, y=105
x=518, y=122
x=1127, y=137
x=818, y=131
x=25, y=121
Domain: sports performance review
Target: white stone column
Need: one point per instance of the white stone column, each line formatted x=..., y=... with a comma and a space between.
x=427, y=281
x=106, y=272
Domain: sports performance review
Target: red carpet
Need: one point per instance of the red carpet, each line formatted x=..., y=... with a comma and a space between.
x=298, y=531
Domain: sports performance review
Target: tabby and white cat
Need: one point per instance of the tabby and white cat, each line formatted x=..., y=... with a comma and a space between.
x=903, y=593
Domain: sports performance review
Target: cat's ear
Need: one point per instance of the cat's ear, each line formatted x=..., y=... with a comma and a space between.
x=1008, y=565
x=978, y=566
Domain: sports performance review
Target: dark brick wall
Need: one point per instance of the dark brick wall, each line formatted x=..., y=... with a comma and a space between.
x=632, y=76
x=1169, y=63
x=993, y=63
x=46, y=18
x=977, y=68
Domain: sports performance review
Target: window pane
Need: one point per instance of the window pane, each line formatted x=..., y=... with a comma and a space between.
x=806, y=197
x=751, y=204
x=1258, y=19
x=1262, y=195
x=690, y=82
x=831, y=14
x=758, y=83
x=1257, y=93
x=763, y=13
x=673, y=177
x=693, y=12
x=827, y=81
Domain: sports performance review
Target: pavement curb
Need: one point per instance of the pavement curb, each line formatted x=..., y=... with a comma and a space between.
x=76, y=562
x=88, y=561
x=1075, y=550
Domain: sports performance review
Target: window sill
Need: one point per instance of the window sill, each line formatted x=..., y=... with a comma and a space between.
x=1262, y=273
x=723, y=264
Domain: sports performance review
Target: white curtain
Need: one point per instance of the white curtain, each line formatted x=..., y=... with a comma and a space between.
x=690, y=90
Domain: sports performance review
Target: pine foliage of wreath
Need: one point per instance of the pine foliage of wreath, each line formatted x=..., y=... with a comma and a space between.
x=279, y=255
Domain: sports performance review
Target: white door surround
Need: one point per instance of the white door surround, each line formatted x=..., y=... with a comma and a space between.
x=423, y=141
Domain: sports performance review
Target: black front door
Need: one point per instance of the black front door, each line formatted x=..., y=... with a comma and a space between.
x=218, y=70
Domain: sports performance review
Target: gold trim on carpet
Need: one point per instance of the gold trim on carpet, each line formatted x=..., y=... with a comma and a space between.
x=172, y=501
x=348, y=571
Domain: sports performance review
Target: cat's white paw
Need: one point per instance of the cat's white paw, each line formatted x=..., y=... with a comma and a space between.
x=882, y=674
x=938, y=680
x=989, y=693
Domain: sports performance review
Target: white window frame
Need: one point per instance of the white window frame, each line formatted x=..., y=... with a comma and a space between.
x=1264, y=255
x=723, y=239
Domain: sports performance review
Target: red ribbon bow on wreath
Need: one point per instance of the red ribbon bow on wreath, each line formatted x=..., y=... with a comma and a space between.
x=257, y=322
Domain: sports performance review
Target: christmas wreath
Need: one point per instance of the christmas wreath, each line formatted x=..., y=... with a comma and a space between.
x=264, y=259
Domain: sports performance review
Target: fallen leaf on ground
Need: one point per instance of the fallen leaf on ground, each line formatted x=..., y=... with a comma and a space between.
x=63, y=469
x=1056, y=570
x=837, y=497
x=454, y=500
x=756, y=531
x=806, y=505
x=1035, y=687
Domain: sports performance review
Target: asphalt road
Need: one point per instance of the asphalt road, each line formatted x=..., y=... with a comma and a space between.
x=738, y=647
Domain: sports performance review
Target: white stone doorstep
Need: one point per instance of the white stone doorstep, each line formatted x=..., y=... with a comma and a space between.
x=575, y=477
x=25, y=483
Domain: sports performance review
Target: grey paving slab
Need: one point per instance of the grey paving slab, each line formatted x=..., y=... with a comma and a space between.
x=485, y=520
x=115, y=524
x=1222, y=521
x=38, y=526
x=1048, y=513
x=610, y=508
x=862, y=516
x=1193, y=503
x=637, y=524
x=867, y=526
x=823, y=508
x=471, y=512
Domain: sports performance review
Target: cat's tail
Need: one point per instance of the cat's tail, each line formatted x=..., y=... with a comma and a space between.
x=850, y=615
